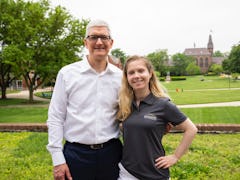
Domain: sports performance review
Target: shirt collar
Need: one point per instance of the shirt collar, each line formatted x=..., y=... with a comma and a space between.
x=87, y=67
x=150, y=99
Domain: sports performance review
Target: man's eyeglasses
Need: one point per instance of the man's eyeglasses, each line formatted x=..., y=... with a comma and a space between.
x=94, y=38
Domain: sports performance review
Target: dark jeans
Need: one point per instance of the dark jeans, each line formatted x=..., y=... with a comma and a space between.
x=93, y=164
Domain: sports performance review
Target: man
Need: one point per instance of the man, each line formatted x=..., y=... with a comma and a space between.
x=82, y=112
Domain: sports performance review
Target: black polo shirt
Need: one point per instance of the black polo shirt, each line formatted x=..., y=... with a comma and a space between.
x=142, y=134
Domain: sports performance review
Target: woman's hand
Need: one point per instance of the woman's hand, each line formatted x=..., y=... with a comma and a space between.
x=165, y=161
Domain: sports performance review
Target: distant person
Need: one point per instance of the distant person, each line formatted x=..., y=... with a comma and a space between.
x=145, y=111
x=83, y=112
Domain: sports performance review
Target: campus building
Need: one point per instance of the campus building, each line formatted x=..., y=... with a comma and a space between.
x=204, y=56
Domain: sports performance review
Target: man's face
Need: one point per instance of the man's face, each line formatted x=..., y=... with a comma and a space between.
x=98, y=42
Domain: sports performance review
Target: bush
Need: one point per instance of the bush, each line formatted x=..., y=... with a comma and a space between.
x=178, y=78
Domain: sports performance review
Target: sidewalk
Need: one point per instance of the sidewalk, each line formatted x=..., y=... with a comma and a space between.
x=25, y=95
x=234, y=103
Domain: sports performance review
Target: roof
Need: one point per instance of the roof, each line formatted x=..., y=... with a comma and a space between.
x=217, y=60
x=196, y=51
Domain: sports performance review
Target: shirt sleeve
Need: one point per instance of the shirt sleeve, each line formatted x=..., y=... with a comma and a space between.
x=55, y=121
x=173, y=114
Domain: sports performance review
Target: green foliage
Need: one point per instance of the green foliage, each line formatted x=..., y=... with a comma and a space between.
x=216, y=68
x=218, y=54
x=180, y=63
x=235, y=75
x=46, y=94
x=193, y=69
x=178, y=78
x=232, y=64
x=39, y=39
x=118, y=53
x=159, y=60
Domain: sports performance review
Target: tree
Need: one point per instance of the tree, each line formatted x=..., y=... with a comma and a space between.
x=193, y=69
x=226, y=66
x=42, y=40
x=118, y=53
x=218, y=54
x=234, y=59
x=180, y=63
x=6, y=17
x=159, y=59
x=216, y=68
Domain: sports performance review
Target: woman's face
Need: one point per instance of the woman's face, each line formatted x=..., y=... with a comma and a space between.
x=138, y=75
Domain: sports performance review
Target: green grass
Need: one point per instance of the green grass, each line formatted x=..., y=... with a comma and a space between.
x=24, y=156
x=10, y=102
x=211, y=156
x=214, y=157
x=222, y=115
x=194, y=92
x=197, y=115
x=210, y=82
x=204, y=96
x=23, y=114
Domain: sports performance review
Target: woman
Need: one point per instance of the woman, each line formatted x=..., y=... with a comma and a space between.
x=145, y=110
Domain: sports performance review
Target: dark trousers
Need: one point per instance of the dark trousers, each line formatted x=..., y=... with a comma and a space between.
x=93, y=164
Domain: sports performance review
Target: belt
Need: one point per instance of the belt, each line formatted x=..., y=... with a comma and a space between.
x=93, y=146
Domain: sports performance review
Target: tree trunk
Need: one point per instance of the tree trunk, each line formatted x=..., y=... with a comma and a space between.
x=31, y=93
x=3, y=92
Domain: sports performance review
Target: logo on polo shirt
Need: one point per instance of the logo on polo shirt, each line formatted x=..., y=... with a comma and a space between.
x=150, y=116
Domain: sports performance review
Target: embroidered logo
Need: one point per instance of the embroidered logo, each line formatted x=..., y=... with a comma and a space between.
x=150, y=116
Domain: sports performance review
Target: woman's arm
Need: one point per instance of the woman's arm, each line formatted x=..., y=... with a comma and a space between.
x=189, y=132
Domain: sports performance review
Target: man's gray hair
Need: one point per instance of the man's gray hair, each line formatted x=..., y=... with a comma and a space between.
x=95, y=23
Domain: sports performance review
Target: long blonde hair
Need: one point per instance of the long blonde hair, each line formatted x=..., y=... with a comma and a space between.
x=126, y=95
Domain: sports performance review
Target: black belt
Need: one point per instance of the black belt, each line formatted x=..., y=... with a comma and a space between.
x=93, y=146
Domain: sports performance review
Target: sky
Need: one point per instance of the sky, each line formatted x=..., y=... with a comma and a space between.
x=145, y=26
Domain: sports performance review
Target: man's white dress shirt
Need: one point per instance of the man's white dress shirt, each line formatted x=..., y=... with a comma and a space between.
x=83, y=107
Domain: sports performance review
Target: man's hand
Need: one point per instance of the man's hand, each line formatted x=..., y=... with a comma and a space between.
x=60, y=172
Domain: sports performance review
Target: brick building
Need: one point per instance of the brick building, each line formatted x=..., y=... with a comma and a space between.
x=203, y=56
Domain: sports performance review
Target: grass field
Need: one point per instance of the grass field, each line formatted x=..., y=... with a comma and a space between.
x=209, y=82
x=213, y=89
x=211, y=156
x=197, y=115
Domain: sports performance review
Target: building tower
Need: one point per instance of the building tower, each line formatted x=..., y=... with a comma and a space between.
x=210, y=45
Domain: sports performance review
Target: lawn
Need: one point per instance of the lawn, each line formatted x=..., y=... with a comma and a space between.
x=197, y=115
x=211, y=156
x=194, y=92
x=209, y=82
x=204, y=96
x=23, y=114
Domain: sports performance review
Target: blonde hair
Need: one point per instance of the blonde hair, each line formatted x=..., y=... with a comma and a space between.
x=126, y=95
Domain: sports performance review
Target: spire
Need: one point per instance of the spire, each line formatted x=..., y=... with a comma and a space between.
x=210, y=44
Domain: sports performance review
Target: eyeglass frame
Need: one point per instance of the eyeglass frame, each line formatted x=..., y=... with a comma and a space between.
x=94, y=38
